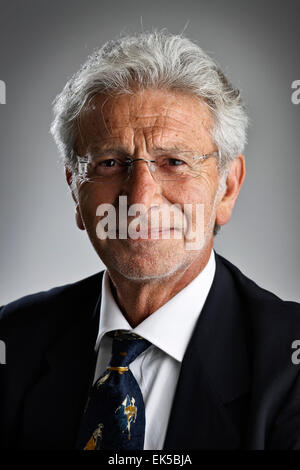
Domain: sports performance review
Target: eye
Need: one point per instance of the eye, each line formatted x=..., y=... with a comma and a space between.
x=175, y=162
x=109, y=163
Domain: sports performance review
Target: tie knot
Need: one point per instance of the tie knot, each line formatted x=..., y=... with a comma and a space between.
x=126, y=347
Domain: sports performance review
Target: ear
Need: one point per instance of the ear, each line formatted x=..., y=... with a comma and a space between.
x=234, y=181
x=78, y=218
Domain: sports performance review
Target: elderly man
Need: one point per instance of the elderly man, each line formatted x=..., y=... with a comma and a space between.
x=171, y=347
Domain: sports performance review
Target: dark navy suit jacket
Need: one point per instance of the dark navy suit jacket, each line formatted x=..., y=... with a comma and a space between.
x=238, y=387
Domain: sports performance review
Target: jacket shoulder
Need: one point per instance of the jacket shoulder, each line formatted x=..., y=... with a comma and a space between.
x=256, y=296
x=33, y=307
x=271, y=324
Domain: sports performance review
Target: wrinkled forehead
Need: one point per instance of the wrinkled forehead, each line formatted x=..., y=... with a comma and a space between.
x=149, y=114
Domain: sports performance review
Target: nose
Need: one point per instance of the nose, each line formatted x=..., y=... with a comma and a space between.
x=140, y=186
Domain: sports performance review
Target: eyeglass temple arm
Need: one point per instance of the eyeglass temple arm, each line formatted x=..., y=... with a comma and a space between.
x=205, y=156
x=130, y=161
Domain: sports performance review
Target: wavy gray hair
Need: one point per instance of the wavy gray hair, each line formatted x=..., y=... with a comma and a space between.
x=152, y=60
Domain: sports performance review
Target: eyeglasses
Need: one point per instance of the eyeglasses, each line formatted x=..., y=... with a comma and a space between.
x=177, y=166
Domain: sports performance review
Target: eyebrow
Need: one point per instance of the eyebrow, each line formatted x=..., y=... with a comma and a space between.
x=106, y=151
x=121, y=152
x=174, y=149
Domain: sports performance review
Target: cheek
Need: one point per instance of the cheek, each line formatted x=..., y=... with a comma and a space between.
x=200, y=191
x=90, y=197
x=207, y=191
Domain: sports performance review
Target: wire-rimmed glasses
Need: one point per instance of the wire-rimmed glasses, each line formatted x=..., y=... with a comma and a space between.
x=110, y=166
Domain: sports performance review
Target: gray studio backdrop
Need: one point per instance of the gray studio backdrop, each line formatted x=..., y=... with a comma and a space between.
x=42, y=43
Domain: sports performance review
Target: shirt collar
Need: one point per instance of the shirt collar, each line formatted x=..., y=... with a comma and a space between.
x=171, y=326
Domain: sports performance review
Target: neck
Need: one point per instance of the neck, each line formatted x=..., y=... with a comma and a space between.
x=138, y=300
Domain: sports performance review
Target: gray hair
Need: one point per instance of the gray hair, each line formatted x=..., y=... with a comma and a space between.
x=152, y=60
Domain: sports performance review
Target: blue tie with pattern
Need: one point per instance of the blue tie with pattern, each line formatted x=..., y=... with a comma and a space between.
x=114, y=418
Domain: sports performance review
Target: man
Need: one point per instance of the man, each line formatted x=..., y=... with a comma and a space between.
x=152, y=135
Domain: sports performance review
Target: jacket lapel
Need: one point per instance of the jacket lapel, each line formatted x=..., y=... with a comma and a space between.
x=54, y=404
x=211, y=395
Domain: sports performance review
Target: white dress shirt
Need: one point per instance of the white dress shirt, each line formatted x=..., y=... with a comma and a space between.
x=169, y=329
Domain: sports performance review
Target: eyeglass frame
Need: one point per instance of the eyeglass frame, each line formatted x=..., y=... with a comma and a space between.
x=130, y=161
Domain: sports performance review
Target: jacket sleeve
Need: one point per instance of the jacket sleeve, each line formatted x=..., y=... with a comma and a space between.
x=2, y=370
x=285, y=432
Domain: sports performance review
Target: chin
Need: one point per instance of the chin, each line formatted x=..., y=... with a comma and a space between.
x=140, y=275
x=141, y=269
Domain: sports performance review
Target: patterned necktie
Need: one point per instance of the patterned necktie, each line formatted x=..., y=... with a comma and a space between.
x=114, y=418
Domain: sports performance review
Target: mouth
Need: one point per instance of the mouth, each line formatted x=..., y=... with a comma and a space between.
x=155, y=233
x=149, y=234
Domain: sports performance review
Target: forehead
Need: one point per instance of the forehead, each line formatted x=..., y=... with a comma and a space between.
x=149, y=117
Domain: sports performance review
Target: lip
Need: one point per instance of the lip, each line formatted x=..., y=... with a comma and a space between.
x=153, y=234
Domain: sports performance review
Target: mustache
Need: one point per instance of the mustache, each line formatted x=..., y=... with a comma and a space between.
x=155, y=219
x=156, y=222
